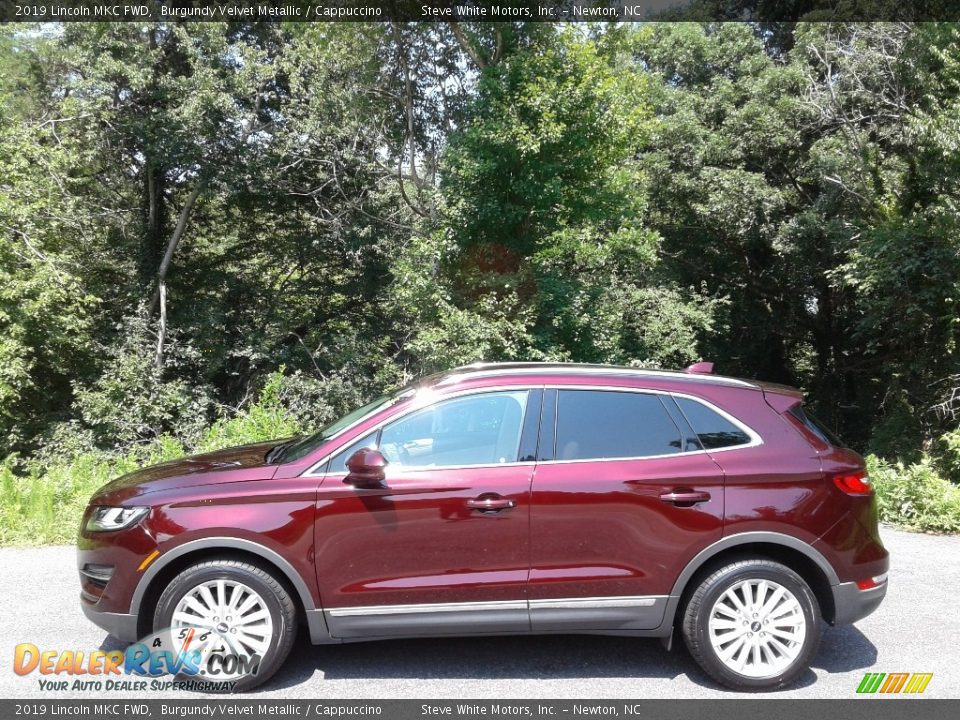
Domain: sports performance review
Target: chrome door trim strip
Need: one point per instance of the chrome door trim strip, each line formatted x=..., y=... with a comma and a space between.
x=494, y=605
x=428, y=608
x=594, y=603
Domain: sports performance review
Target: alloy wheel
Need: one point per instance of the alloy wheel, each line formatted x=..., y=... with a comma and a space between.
x=226, y=616
x=757, y=628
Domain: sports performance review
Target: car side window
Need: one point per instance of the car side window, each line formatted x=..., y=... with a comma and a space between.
x=605, y=424
x=338, y=464
x=481, y=429
x=713, y=430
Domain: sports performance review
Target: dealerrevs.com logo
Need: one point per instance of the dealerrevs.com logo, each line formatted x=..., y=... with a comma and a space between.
x=893, y=683
x=201, y=660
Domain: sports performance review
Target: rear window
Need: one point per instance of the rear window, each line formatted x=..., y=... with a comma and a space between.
x=814, y=425
x=713, y=430
x=601, y=424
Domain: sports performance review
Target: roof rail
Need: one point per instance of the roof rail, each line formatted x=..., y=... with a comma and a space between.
x=485, y=369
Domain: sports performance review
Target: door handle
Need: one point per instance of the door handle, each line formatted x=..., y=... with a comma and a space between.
x=685, y=498
x=491, y=503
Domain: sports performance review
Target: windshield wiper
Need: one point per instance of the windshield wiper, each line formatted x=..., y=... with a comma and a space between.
x=276, y=452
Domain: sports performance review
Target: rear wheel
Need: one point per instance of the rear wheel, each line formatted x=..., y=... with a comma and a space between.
x=752, y=625
x=238, y=616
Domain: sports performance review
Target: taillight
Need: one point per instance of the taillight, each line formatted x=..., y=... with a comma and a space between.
x=856, y=483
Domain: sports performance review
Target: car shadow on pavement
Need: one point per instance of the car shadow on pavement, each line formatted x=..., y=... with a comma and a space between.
x=548, y=657
x=845, y=649
x=540, y=657
x=483, y=658
x=111, y=643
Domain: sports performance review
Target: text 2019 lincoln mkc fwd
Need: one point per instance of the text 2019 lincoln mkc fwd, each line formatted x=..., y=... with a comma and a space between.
x=507, y=499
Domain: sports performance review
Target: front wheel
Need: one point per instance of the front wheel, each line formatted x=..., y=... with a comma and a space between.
x=239, y=619
x=753, y=625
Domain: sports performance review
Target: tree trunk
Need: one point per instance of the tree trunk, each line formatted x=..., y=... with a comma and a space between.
x=151, y=244
x=160, y=292
x=174, y=241
x=162, y=330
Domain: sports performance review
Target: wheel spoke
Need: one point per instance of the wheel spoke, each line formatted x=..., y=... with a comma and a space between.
x=247, y=604
x=737, y=603
x=221, y=597
x=188, y=620
x=722, y=607
x=252, y=617
x=773, y=600
x=257, y=644
x=721, y=624
x=207, y=598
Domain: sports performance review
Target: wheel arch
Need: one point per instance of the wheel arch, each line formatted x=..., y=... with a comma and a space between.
x=797, y=555
x=170, y=563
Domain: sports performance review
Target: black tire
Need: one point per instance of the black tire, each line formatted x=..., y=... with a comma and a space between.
x=697, y=616
x=277, y=600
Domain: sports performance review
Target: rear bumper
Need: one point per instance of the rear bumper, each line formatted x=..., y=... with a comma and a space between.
x=120, y=625
x=850, y=603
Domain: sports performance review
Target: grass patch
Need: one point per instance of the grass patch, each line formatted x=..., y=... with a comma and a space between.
x=41, y=502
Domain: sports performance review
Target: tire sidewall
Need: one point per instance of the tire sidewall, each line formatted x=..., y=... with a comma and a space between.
x=808, y=604
x=191, y=578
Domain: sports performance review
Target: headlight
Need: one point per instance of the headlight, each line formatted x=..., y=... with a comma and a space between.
x=104, y=519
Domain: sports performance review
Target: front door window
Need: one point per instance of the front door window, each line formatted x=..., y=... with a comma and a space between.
x=477, y=430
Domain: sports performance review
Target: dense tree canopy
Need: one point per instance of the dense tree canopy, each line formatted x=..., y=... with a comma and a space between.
x=188, y=208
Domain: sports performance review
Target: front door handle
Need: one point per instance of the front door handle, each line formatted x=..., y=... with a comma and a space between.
x=491, y=503
x=685, y=498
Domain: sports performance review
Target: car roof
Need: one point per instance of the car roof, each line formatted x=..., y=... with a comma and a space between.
x=482, y=370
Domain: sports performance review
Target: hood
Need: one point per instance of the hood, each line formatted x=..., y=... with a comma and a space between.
x=230, y=465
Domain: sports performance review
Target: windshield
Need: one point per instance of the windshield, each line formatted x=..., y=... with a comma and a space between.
x=305, y=446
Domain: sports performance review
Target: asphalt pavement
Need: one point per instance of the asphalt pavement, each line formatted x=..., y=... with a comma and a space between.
x=916, y=629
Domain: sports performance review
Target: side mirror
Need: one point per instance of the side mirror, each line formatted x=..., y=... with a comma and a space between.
x=367, y=468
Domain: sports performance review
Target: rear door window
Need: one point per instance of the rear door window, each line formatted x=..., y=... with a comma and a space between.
x=606, y=424
x=712, y=429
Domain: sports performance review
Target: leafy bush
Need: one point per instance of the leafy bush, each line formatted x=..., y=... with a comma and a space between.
x=133, y=400
x=949, y=456
x=42, y=498
x=915, y=496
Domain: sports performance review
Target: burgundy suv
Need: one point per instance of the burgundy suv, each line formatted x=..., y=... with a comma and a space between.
x=517, y=498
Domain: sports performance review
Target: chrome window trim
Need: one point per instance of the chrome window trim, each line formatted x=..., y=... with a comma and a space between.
x=755, y=438
x=586, y=603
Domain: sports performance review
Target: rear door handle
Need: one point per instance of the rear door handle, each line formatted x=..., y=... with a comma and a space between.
x=685, y=498
x=491, y=503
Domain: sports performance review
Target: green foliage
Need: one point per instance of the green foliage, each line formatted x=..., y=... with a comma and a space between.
x=915, y=496
x=133, y=400
x=42, y=498
x=362, y=204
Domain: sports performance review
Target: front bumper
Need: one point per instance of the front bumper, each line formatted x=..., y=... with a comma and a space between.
x=850, y=603
x=122, y=626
